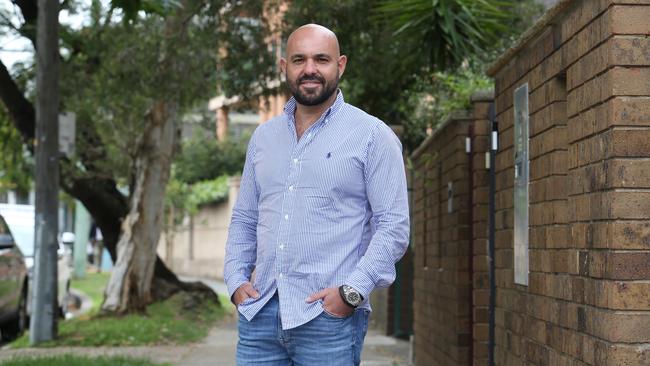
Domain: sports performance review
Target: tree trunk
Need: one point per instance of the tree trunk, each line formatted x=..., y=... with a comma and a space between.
x=95, y=188
x=99, y=194
x=108, y=207
x=129, y=288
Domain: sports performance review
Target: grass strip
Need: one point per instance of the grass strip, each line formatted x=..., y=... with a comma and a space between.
x=183, y=318
x=72, y=360
x=93, y=286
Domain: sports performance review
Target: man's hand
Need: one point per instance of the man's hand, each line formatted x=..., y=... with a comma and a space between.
x=332, y=302
x=244, y=291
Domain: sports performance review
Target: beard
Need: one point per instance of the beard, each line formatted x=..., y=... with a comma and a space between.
x=312, y=99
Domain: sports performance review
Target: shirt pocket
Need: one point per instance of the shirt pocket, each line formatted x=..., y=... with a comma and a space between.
x=315, y=203
x=320, y=210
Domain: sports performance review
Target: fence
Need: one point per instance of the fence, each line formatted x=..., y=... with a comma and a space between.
x=571, y=204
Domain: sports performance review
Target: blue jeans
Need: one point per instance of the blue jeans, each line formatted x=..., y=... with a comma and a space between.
x=325, y=340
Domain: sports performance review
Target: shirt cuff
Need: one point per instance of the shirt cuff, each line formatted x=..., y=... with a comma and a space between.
x=233, y=283
x=361, y=282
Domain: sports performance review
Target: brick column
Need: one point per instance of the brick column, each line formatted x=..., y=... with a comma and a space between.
x=609, y=162
x=442, y=282
x=222, y=123
x=480, y=278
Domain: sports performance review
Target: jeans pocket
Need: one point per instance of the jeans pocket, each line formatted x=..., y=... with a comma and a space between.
x=327, y=314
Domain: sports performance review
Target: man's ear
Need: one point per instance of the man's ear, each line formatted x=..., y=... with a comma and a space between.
x=283, y=65
x=342, y=62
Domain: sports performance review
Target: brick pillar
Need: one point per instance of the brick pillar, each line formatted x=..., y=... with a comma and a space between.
x=222, y=123
x=279, y=100
x=441, y=221
x=609, y=162
x=271, y=106
x=480, y=278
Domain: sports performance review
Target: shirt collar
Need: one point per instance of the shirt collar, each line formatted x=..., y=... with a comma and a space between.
x=290, y=107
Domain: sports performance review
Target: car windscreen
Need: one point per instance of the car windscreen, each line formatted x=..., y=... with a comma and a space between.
x=24, y=237
x=20, y=220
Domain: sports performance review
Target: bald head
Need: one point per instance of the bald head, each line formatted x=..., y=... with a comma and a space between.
x=313, y=33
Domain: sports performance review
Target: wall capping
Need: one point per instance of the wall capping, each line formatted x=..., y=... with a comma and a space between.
x=453, y=117
x=486, y=95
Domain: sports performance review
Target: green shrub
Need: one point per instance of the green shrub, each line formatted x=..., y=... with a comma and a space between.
x=203, y=158
x=431, y=100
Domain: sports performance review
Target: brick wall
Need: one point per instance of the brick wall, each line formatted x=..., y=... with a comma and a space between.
x=587, y=302
x=588, y=298
x=444, y=252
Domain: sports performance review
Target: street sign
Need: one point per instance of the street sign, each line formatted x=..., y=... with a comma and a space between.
x=521, y=184
x=67, y=130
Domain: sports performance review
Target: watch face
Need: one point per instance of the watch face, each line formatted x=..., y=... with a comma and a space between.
x=353, y=298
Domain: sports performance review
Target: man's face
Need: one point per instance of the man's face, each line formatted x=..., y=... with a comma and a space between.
x=313, y=66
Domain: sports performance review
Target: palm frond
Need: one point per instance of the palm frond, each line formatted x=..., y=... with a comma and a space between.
x=450, y=30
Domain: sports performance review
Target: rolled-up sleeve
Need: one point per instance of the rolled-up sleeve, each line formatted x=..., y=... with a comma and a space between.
x=241, y=246
x=385, y=180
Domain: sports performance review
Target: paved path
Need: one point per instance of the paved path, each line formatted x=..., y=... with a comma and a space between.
x=218, y=348
x=378, y=350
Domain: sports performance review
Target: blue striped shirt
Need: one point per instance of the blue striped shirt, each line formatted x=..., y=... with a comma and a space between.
x=326, y=210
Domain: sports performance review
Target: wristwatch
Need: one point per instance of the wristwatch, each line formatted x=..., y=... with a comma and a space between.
x=350, y=296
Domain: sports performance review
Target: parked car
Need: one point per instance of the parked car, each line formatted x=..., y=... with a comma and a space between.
x=13, y=285
x=20, y=219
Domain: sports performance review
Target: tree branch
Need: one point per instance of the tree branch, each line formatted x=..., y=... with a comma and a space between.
x=20, y=109
x=29, y=8
x=101, y=198
x=7, y=22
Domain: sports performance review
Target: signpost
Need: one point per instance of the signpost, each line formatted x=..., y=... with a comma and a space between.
x=43, y=326
x=521, y=185
x=67, y=128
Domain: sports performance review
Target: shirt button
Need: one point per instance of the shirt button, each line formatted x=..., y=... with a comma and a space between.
x=281, y=246
x=291, y=188
x=280, y=276
x=295, y=161
x=286, y=217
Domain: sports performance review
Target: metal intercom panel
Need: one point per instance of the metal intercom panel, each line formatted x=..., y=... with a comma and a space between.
x=521, y=200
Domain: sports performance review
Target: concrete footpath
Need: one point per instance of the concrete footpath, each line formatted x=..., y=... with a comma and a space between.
x=218, y=348
x=220, y=344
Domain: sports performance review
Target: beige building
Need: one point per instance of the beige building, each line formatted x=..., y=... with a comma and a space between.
x=197, y=246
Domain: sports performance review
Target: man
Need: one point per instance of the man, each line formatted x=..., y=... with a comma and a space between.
x=321, y=218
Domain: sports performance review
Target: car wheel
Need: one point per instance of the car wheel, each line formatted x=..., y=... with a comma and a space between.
x=17, y=326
